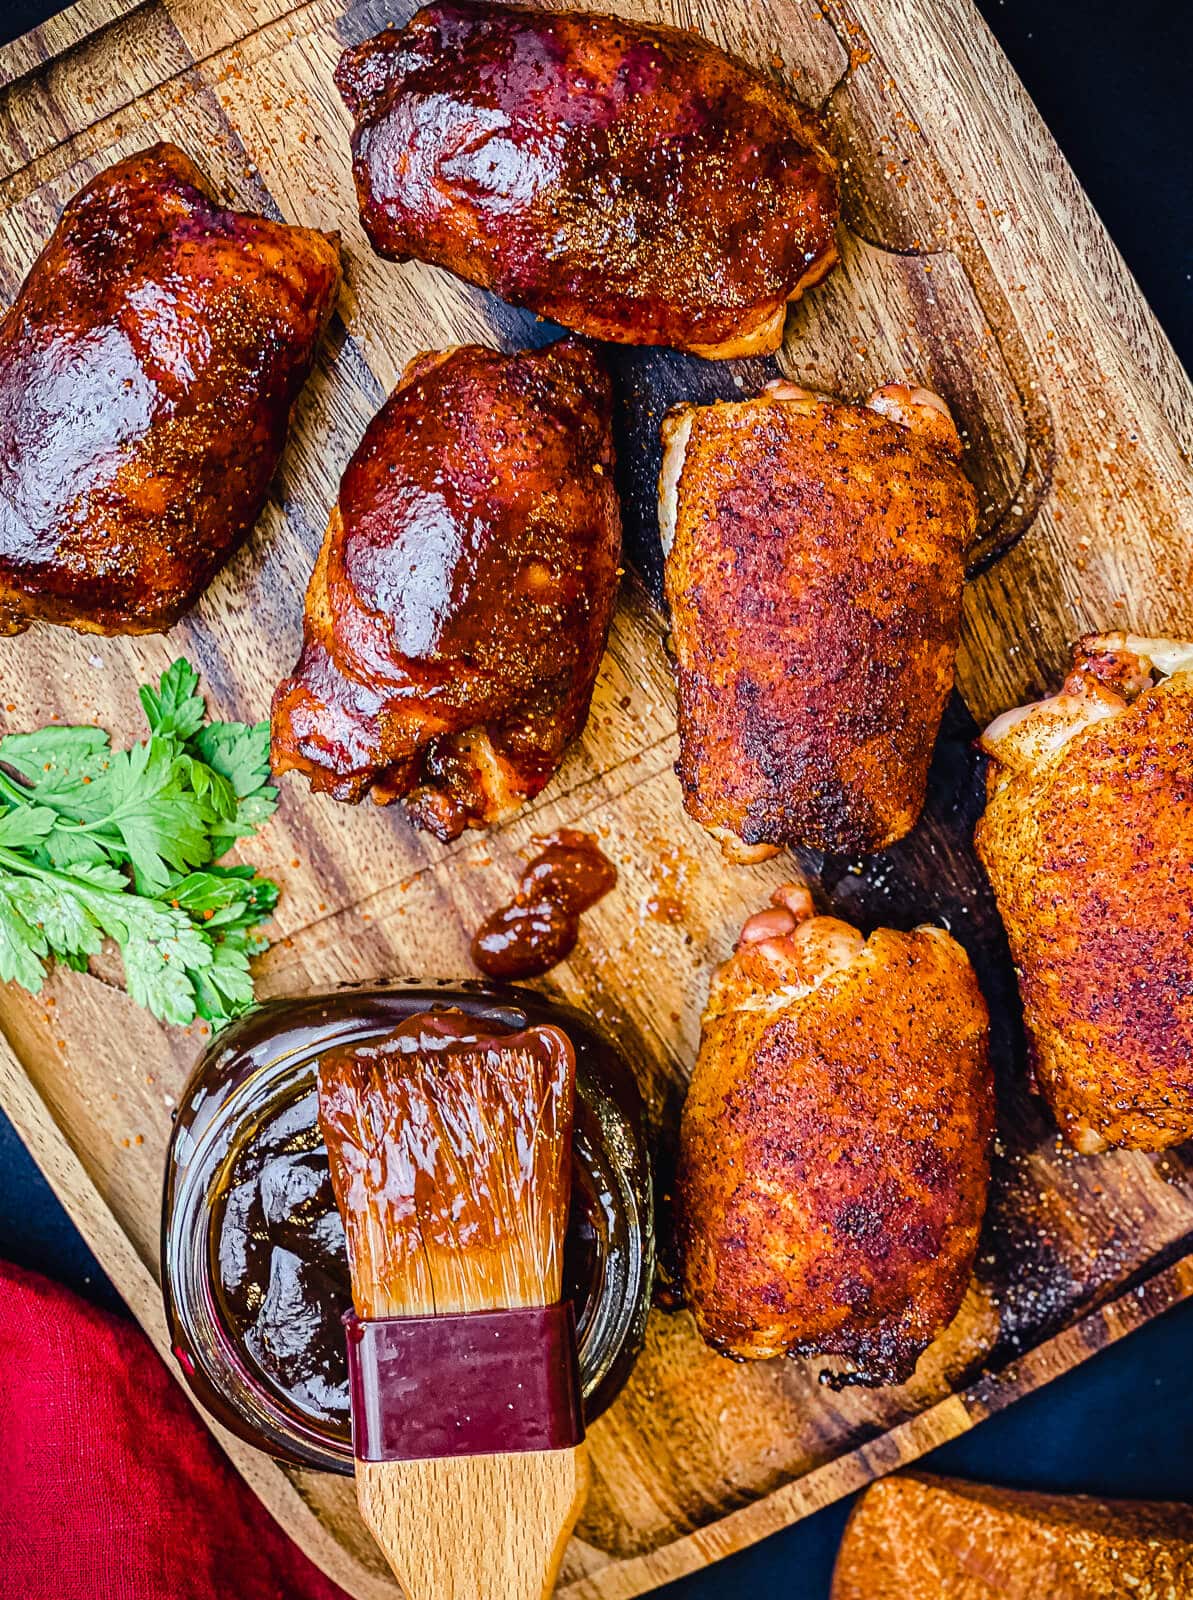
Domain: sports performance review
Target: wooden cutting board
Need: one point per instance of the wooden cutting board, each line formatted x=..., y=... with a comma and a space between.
x=972, y=262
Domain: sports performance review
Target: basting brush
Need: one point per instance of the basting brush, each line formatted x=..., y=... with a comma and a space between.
x=450, y=1152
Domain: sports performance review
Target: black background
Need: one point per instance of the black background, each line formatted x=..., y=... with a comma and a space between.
x=1113, y=83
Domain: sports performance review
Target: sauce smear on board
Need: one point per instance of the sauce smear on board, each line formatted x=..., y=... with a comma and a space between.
x=540, y=925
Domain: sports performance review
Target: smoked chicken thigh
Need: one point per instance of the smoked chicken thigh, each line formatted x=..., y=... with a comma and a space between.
x=1087, y=838
x=458, y=611
x=631, y=181
x=147, y=371
x=815, y=559
x=834, y=1147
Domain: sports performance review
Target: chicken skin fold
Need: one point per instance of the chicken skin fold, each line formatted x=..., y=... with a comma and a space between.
x=834, y=1146
x=814, y=566
x=1087, y=839
x=458, y=611
x=631, y=181
x=147, y=372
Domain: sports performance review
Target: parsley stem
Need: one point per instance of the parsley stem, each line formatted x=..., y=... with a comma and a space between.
x=21, y=794
x=16, y=862
x=19, y=863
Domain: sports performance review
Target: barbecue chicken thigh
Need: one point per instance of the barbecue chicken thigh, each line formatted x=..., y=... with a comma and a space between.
x=457, y=614
x=628, y=180
x=1087, y=838
x=815, y=558
x=147, y=371
x=834, y=1147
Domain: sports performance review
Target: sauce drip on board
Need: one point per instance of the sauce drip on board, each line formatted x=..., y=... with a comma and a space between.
x=541, y=924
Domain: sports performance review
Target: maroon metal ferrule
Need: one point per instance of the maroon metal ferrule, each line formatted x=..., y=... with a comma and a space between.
x=469, y=1384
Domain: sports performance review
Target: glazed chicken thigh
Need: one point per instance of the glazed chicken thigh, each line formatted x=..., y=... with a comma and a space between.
x=147, y=371
x=814, y=565
x=1087, y=838
x=834, y=1146
x=631, y=181
x=457, y=614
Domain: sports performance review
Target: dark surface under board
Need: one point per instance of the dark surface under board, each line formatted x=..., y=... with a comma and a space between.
x=1123, y=1423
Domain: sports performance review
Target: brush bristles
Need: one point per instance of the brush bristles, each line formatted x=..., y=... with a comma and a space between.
x=452, y=1169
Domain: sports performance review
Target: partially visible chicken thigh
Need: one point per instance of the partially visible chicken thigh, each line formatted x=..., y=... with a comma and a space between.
x=914, y=1537
x=815, y=558
x=1087, y=838
x=834, y=1147
x=629, y=180
x=147, y=371
x=457, y=614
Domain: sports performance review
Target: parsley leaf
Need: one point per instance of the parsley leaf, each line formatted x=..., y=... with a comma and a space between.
x=26, y=827
x=56, y=759
x=22, y=945
x=96, y=844
x=145, y=808
x=240, y=754
x=175, y=709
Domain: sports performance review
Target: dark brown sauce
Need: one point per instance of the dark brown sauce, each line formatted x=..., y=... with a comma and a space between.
x=541, y=925
x=281, y=1270
x=254, y=1259
x=281, y=1273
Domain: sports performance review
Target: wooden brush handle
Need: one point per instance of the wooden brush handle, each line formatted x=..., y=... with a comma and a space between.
x=475, y=1527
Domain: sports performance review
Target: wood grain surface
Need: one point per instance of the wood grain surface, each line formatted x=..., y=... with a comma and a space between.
x=971, y=262
x=475, y=1525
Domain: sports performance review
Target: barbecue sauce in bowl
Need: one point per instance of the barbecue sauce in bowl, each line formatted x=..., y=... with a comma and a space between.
x=255, y=1269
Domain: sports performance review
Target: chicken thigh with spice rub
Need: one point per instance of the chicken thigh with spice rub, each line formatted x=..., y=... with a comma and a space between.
x=834, y=1146
x=815, y=559
x=1087, y=839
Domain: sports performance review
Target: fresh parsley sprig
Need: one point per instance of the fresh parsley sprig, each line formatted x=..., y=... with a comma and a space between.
x=125, y=844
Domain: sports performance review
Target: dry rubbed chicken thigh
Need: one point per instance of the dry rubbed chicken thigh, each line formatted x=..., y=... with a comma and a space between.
x=834, y=1147
x=1087, y=838
x=631, y=181
x=815, y=558
x=147, y=371
x=457, y=614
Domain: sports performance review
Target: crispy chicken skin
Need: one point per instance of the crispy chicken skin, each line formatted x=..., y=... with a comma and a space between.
x=458, y=611
x=1087, y=838
x=815, y=560
x=147, y=371
x=834, y=1147
x=630, y=181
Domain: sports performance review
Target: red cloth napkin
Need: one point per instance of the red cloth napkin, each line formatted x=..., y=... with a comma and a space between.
x=110, y=1486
